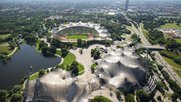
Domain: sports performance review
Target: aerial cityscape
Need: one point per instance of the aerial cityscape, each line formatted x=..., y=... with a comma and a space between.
x=90, y=51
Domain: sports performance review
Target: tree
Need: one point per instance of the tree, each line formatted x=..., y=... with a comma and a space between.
x=31, y=39
x=129, y=98
x=41, y=72
x=42, y=45
x=74, y=68
x=3, y=94
x=64, y=52
x=142, y=96
x=165, y=74
x=95, y=53
x=48, y=51
x=16, y=88
x=177, y=60
x=159, y=85
x=12, y=45
x=79, y=43
x=175, y=96
x=16, y=98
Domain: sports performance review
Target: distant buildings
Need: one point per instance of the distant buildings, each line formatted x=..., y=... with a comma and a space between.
x=172, y=32
x=126, y=5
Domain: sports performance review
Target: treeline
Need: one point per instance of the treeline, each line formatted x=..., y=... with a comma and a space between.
x=80, y=43
x=6, y=39
x=13, y=95
x=19, y=25
x=152, y=23
x=173, y=85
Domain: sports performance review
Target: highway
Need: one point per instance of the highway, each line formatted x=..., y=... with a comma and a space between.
x=159, y=59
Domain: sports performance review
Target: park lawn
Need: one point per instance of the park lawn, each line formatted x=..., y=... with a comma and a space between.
x=93, y=66
x=171, y=25
x=3, y=36
x=38, y=45
x=80, y=69
x=178, y=40
x=77, y=36
x=145, y=32
x=178, y=72
x=129, y=98
x=59, y=52
x=34, y=76
x=100, y=99
x=172, y=63
x=68, y=60
x=171, y=54
x=5, y=49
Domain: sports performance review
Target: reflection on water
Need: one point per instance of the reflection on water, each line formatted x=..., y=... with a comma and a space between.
x=17, y=67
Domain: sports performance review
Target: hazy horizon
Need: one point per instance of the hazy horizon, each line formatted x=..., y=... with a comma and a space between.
x=80, y=0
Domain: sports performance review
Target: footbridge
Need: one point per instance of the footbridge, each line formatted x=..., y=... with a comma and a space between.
x=154, y=47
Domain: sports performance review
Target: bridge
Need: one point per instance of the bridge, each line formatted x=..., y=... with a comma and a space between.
x=154, y=47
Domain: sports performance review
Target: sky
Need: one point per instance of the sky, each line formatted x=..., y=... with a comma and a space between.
x=77, y=0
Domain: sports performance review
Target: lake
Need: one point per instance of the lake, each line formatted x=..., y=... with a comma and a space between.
x=18, y=66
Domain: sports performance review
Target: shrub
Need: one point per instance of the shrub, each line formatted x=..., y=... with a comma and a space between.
x=177, y=60
x=16, y=98
x=41, y=72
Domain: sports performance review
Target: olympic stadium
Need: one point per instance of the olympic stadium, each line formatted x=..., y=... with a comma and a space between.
x=78, y=29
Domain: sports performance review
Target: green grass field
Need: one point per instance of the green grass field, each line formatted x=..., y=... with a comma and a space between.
x=172, y=63
x=145, y=32
x=5, y=49
x=59, y=52
x=171, y=53
x=178, y=40
x=93, y=66
x=80, y=69
x=129, y=98
x=178, y=72
x=34, y=76
x=100, y=99
x=77, y=36
x=171, y=25
x=68, y=60
x=4, y=36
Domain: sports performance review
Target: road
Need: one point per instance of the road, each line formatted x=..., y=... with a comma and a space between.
x=159, y=59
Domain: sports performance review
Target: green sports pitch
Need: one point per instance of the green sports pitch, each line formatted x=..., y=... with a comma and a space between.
x=77, y=36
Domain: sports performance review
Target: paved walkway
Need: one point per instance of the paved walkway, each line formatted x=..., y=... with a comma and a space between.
x=85, y=59
x=106, y=93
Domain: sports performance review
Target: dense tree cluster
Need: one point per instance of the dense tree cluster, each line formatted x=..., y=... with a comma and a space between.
x=48, y=51
x=74, y=68
x=173, y=85
x=41, y=72
x=81, y=43
x=64, y=52
x=42, y=44
x=95, y=53
x=13, y=95
x=156, y=36
x=58, y=44
x=3, y=94
x=31, y=39
x=142, y=96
